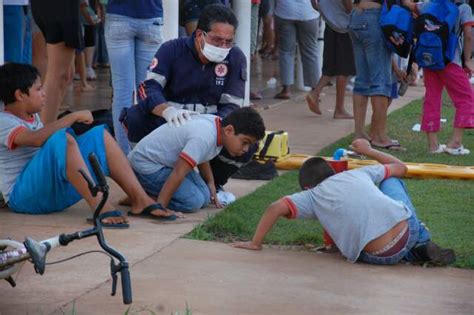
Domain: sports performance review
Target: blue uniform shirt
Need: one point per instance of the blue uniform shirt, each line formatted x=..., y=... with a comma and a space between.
x=177, y=75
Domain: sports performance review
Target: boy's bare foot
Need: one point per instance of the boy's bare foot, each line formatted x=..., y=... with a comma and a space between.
x=313, y=103
x=342, y=115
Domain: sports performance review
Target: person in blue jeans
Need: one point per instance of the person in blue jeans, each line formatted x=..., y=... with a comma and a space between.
x=374, y=76
x=368, y=223
x=133, y=33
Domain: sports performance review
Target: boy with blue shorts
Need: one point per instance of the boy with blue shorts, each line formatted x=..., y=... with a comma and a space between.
x=165, y=159
x=40, y=164
x=374, y=224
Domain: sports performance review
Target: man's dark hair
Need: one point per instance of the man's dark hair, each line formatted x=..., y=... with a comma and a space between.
x=216, y=13
x=246, y=121
x=16, y=76
x=314, y=171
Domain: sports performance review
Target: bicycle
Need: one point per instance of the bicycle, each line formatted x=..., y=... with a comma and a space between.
x=37, y=251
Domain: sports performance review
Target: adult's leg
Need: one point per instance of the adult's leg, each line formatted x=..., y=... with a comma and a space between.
x=58, y=76
x=119, y=37
x=80, y=64
x=147, y=41
x=430, y=123
x=286, y=32
x=39, y=57
x=307, y=34
x=340, y=110
x=360, y=110
x=379, y=120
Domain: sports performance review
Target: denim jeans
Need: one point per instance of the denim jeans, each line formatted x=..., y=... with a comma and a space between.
x=372, y=58
x=131, y=45
x=14, y=25
x=395, y=188
x=306, y=33
x=191, y=195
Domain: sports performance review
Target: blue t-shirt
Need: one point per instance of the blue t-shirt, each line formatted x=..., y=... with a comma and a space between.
x=138, y=9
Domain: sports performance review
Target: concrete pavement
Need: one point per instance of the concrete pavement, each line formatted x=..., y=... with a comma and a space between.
x=213, y=278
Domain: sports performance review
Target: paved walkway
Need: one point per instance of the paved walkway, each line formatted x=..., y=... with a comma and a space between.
x=169, y=272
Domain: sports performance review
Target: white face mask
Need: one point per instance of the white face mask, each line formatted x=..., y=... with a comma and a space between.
x=214, y=53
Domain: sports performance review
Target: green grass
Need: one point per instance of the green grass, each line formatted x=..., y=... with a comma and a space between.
x=446, y=206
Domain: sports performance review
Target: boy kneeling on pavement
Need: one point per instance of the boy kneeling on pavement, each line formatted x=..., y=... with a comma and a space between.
x=40, y=164
x=165, y=159
x=370, y=223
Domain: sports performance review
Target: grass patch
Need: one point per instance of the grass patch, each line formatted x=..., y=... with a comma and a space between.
x=446, y=206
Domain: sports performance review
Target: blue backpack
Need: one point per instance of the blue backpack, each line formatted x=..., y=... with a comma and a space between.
x=435, y=31
x=396, y=22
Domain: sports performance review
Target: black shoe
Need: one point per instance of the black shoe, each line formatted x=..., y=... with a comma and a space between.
x=257, y=170
x=432, y=253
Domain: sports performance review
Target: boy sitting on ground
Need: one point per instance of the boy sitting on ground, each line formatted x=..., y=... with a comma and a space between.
x=164, y=160
x=40, y=164
x=376, y=225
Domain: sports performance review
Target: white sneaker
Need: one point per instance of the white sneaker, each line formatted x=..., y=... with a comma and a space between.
x=471, y=80
x=457, y=151
x=90, y=74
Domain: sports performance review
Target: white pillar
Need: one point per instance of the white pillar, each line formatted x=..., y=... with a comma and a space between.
x=171, y=19
x=243, y=12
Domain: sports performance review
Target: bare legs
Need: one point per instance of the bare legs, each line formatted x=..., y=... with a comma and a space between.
x=120, y=171
x=58, y=75
x=313, y=97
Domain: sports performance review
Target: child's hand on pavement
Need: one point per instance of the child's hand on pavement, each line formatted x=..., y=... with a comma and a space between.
x=246, y=245
x=361, y=146
x=83, y=116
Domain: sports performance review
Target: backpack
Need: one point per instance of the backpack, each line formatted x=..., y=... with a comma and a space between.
x=435, y=30
x=396, y=22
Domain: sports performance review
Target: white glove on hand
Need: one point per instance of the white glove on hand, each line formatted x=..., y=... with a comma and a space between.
x=177, y=117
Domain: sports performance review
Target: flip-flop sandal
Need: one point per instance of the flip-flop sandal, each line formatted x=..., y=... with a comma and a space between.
x=147, y=213
x=110, y=214
x=395, y=145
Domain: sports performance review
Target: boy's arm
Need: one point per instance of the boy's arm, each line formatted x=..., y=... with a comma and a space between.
x=180, y=170
x=395, y=167
x=272, y=214
x=206, y=173
x=38, y=137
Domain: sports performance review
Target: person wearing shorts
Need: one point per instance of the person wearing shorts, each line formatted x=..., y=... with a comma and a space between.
x=374, y=77
x=59, y=22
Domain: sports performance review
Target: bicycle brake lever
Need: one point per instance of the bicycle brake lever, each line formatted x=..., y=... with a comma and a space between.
x=113, y=270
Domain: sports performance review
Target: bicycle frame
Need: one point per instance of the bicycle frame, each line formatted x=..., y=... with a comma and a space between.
x=36, y=251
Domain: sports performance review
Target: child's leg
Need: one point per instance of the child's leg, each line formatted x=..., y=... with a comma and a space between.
x=122, y=173
x=462, y=94
x=432, y=107
x=192, y=195
x=74, y=163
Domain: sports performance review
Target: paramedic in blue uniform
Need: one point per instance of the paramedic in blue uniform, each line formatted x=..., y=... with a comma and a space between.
x=204, y=73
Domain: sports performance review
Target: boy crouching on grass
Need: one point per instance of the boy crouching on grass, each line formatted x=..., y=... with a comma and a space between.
x=40, y=164
x=165, y=159
x=370, y=223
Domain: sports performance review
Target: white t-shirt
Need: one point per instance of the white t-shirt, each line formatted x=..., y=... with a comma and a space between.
x=196, y=142
x=351, y=207
x=13, y=159
x=298, y=10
